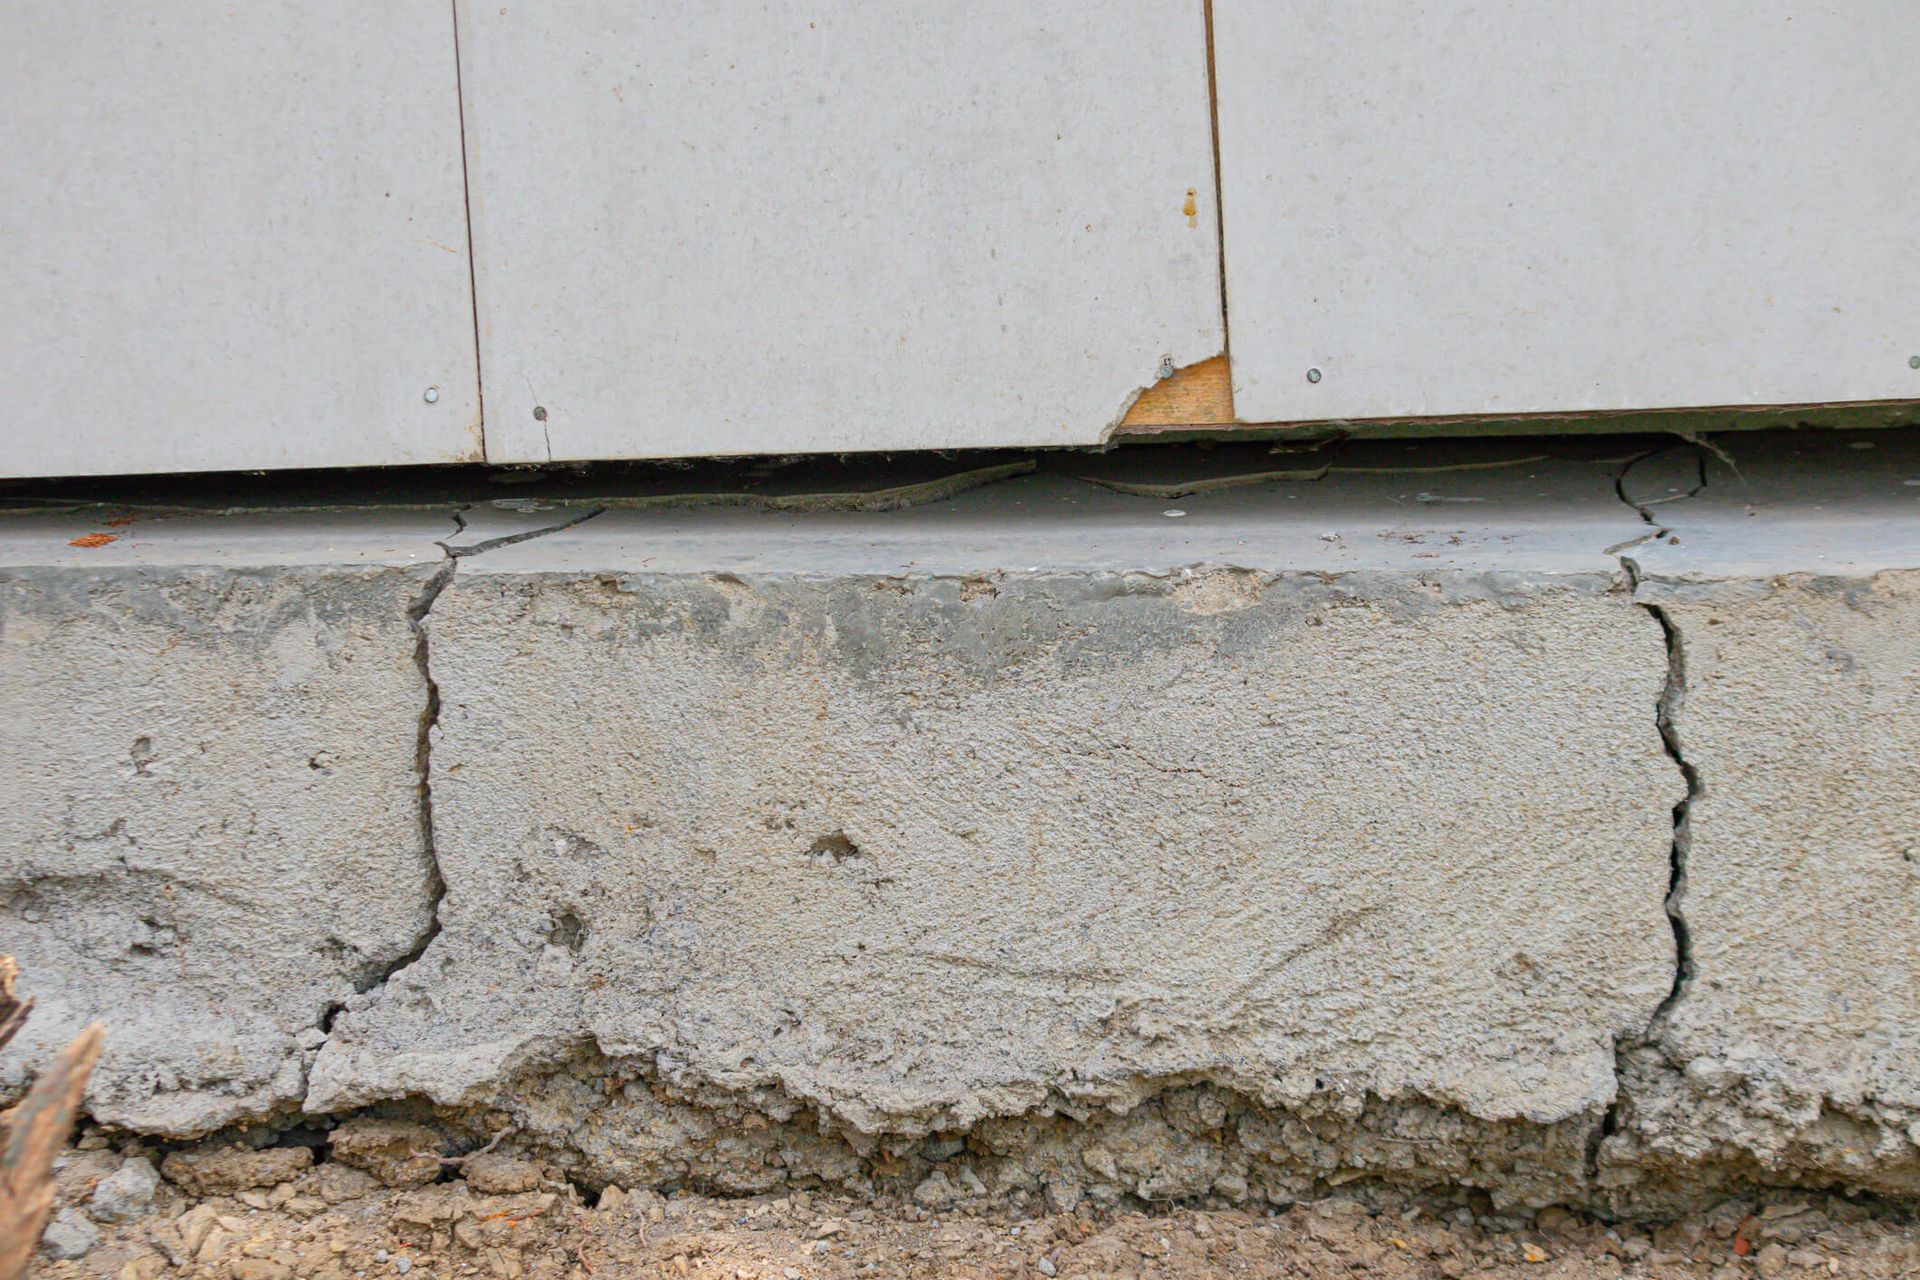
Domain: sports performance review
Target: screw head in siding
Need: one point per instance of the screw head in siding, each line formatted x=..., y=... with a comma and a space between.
x=1166, y=367
x=431, y=395
x=1313, y=375
x=1913, y=362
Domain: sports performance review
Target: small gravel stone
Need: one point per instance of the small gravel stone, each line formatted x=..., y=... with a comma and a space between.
x=497, y=1175
x=943, y=1146
x=337, y=1182
x=69, y=1235
x=220, y=1171
x=934, y=1192
x=397, y=1152
x=126, y=1193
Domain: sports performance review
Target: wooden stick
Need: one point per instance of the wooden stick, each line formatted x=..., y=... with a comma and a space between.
x=13, y=1010
x=37, y=1129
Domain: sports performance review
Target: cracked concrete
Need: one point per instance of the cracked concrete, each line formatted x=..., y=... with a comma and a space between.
x=1038, y=804
x=212, y=830
x=217, y=745
x=1667, y=717
x=1670, y=473
x=1788, y=586
x=1515, y=823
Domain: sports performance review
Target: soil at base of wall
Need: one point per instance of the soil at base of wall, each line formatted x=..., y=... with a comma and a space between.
x=236, y=1213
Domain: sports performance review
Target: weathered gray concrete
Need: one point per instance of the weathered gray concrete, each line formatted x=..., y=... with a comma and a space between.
x=1042, y=800
x=1320, y=833
x=212, y=825
x=1792, y=585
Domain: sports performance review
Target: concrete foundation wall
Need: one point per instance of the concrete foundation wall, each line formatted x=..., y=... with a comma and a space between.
x=212, y=829
x=1454, y=826
x=1795, y=616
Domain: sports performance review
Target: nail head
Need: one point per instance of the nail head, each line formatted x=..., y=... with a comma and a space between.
x=431, y=395
x=1313, y=375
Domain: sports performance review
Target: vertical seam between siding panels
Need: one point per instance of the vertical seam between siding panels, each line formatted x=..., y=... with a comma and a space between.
x=1219, y=205
x=466, y=208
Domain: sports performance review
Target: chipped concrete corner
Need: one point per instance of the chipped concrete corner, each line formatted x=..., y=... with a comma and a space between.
x=1466, y=828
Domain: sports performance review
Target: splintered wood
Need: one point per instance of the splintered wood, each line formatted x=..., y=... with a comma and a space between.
x=1196, y=395
x=35, y=1130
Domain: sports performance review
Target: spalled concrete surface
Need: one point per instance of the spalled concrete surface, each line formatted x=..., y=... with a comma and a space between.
x=1129, y=828
x=1042, y=800
x=1791, y=581
x=212, y=826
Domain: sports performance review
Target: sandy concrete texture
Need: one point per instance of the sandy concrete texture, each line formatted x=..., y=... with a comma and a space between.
x=1790, y=579
x=918, y=822
x=212, y=830
x=1167, y=824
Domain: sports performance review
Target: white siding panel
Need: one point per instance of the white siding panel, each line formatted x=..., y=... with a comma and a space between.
x=232, y=236
x=728, y=227
x=1509, y=206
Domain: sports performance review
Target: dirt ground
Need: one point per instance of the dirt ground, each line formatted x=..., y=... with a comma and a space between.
x=273, y=1214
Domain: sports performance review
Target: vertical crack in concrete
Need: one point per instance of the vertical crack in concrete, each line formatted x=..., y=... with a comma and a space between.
x=428, y=728
x=1666, y=716
x=1666, y=719
x=423, y=759
x=1671, y=698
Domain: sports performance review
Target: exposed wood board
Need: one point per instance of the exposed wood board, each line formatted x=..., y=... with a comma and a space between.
x=1197, y=395
x=739, y=228
x=1509, y=207
x=232, y=237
